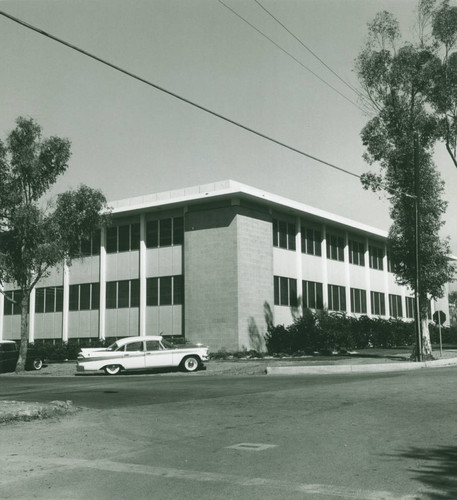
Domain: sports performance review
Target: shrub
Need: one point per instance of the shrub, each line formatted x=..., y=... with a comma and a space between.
x=327, y=332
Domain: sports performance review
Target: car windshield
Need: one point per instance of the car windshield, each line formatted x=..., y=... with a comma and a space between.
x=113, y=347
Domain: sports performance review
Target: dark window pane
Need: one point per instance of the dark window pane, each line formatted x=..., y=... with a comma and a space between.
x=178, y=231
x=111, y=240
x=123, y=294
x=17, y=294
x=152, y=291
x=282, y=234
x=85, y=246
x=111, y=295
x=275, y=233
x=95, y=299
x=312, y=295
x=305, y=300
x=49, y=301
x=96, y=240
x=134, y=293
x=165, y=232
x=293, y=292
x=59, y=298
x=152, y=234
x=276, y=290
x=8, y=309
x=284, y=291
x=84, y=297
x=134, y=237
x=319, y=296
x=124, y=238
x=39, y=300
x=317, y=243
x=291, y=236
x=74, y=297
x=165, y=291
x=178, y=290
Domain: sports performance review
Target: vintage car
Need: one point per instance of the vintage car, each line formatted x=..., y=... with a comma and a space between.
x=9, y=353
x=142, y=353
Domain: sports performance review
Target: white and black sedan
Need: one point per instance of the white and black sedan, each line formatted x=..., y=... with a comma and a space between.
x=142, y=353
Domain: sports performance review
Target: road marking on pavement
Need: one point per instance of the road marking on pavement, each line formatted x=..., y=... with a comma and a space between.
x=251, y=446
x=207, y=477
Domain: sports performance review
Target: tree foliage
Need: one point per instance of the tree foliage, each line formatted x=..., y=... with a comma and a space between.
x=412, y=92
x=34, y=236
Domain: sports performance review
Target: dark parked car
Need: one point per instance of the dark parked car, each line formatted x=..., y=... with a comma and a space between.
x=9, y=353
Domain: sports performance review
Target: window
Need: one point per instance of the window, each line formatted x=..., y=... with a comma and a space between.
x=395, y=306
x=410, y=307
x=358, y=301
x=84, y=297
x=283, y=234
x=12, y=308
x=356, y=253
x=91, y=245
x=311, y=240
x=165, y=232
x=123, y=238
x=378, y=305
x=285, y=291
x=313, y=297
x=122, y=294
x=335, y=247
x=49, y=299
x=165, y=291
x=336, y=298
x=376, y=257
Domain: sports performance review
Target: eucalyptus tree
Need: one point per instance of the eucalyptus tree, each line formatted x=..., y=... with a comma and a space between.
x=411, y=90
x=36, y=236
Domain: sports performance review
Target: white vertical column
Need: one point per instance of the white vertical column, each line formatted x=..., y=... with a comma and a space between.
x=66, y=301
x=368, y=275
x=102, y=311
x=2, y=312
x=347, y=272
x=32, y=316
x=299, y=263
x=386, y=279
x=142, y=274
x=324, y=266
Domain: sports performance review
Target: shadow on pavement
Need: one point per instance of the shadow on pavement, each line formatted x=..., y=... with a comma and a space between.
x=438, y=472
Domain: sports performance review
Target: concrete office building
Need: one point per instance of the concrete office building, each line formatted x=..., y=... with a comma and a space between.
x=204, y=261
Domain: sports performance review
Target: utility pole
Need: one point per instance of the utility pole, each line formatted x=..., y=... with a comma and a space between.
x=417, y=246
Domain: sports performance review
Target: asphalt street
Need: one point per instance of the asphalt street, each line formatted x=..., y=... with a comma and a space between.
x=366, y=437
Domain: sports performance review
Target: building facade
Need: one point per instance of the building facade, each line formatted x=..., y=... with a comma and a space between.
x=209, y=263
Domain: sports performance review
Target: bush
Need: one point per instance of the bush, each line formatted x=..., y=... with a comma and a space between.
x=326, y=332
x=61, y=351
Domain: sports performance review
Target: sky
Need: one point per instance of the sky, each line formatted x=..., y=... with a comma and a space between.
x=129, y=139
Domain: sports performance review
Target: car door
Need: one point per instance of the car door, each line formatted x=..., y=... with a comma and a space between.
x=8, y=357
x=133, y=358
x=156, y=355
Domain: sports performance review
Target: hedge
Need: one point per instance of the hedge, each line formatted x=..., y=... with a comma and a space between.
x=326, y=332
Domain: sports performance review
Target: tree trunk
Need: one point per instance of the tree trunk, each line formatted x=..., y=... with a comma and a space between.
x=426, y=344
x=20, y=365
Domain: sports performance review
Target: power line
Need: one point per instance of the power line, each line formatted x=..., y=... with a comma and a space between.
x=310, y=51
x=183, y=99
x=289, y=54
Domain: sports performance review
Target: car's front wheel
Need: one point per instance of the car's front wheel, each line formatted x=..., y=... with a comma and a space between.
x=37, y=364
x=191, y=364
x=112, y=369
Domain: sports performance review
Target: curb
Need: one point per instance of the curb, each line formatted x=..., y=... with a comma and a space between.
x=374, y=368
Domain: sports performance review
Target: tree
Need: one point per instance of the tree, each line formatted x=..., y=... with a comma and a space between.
x=411, y=89
x=34, y=236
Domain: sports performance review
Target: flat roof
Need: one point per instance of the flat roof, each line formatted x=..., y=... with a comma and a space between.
x=230, y=189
